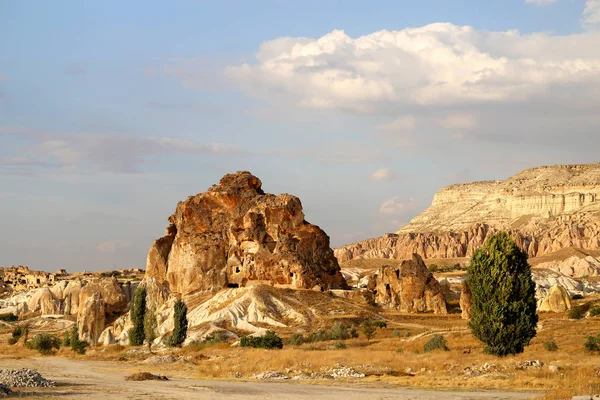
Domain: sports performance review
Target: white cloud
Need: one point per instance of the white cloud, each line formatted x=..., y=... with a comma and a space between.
x=401, y=124
x=385, y=174
x=541, y=3
x=112, y=246
x=590, y=18
x=434, y=65
x=395, y=205
x=457, y=121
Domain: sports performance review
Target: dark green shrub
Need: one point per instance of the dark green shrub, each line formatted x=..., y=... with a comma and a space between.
x=380, y=324
x=433, y=268
x=296, y=339
x=44, y=343
x=592, y=343
x=595, y=310
x=368, y=329
x=550, y=345
x=577, y=312
x=180, y=324
x=19, y=332
x=269, y=340
x=71, y=339
x=503, y=314
x=150, y=326
x=340, y=331
x=435, y=342
x=12, y=340
x=9, y=317
x=137, y=312
x=66, y=339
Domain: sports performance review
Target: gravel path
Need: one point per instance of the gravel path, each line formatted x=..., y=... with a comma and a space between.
x=91, y=380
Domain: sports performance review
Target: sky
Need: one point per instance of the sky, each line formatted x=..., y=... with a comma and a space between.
x=111, y=112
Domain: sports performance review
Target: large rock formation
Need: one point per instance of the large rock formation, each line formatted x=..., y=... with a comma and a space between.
x=234, y=235
x=545, y=209
x=408, y=288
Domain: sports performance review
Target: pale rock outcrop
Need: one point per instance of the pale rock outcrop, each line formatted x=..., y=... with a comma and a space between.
x=557, y=300
x=466, y=300
x=44, y=301
x=101, y=301
x=544, y=209
x=235, y=235
x=71, y=297
x=408, y=288
x=91, y=319
x=575, y=267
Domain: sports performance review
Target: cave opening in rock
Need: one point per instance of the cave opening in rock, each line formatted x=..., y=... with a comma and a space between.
x=233, y=285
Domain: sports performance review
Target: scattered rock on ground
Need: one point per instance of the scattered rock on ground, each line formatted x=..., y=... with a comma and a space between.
x=534, y=364
x=339, y=371
x=271, y=375
x=24, y=378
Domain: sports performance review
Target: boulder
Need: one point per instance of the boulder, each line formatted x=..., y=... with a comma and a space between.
x=235, y=235
x=409, y=288
x=557, y=300
x=44, y=301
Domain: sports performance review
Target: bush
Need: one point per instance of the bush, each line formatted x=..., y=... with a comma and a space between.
x=44, y=343
x=150, y=326
x=550, y=345
x=436, y=342
x=269, y=340
x=340, y=346
x=19, y=332
x=341, y=331
x=77, y=346
x=576, y=312
x=595, y=310
x=380, y=324
x=12, y=340
x=138, y=310
x=216, y=337
x=9, y=317
x=296, y=339
x=503, y=314
x=368, y=329
x=592, y=343
x=180, y=324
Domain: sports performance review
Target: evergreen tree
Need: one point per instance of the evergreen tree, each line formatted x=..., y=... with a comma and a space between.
x=180, y=323
x=503, y=312
x=150, y=325
x=138, y=309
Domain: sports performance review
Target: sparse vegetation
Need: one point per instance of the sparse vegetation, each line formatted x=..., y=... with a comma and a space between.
x=145, y=376
x=595, y=310
x=369, y=328
x=503, y=314
x=71, y=339
x=138, y=309
x=577, y=312
x=296, y=339
x=436, y=342
x=44, y=343
x=9, y=317
x=17, y=333
x=592, y=343
x=550, y=345
x=215, y=338
x=340, y=346
x=270, y=340
x=150, y=326
x=180, y=323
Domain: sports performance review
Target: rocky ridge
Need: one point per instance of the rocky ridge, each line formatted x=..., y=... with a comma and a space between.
x=544, y=209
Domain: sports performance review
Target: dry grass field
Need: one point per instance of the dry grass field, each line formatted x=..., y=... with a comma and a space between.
x=393, y=358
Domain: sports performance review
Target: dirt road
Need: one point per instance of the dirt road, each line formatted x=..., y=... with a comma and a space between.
x=93, y=380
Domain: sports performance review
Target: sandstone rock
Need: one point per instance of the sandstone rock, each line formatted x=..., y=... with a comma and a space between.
x=544, y=209
x=466, y=300
x=409, y=288
x=91, y=319
x=101, y=301
x=234, y=235
x=44, y=301
x=557, y=300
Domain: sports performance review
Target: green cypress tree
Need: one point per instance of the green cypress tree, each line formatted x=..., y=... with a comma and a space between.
x=503, y=311
x=138, y=309
x=180, y=323
x=150, y=326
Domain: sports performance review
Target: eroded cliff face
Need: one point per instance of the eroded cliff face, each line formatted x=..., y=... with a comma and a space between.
x=234, y=235
x=544, y=209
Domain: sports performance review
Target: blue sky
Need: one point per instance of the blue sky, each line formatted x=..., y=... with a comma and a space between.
x=111, y=112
